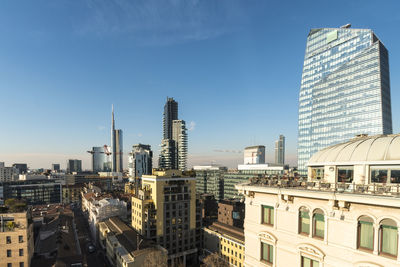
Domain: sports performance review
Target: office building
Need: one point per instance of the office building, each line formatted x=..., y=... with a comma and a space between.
x=34, y=192
x=16, y=235
x=116, y=146
x=280, y=150
x=345, y=214
x=8, y=173
x=173, y=154
x=55, y=167
x=74, y=165
x=99, y=159
x=140, y=161
x=179, y=135
x=209, y=179
x=21, y=167
x=167, y=211
x=345, y=89
x=254, y=155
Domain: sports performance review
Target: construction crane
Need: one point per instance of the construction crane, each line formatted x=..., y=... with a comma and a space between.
x=105, y=151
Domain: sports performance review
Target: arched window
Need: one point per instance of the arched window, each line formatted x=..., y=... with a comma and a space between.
x=304, y=221
x=365, y=233
x=318, y=224
x=388, y=233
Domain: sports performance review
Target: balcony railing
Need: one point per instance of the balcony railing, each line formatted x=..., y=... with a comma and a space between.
x=373, y=188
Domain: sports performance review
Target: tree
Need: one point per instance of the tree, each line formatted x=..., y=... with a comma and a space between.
x=214, y=260
x=156, y=258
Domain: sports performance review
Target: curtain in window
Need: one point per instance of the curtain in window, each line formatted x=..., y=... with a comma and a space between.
x=271, y=253
x=319, y=225
x=305, y=222
x=268, y=216
x=389, y=239
x=366, y=235
x=309, y=262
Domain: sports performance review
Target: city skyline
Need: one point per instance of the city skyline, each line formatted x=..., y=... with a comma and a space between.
x=57, y=75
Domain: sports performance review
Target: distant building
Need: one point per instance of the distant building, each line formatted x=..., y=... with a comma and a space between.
x=280, y=150
x=345, y=89
x=179, y=135
x=167, y=159
x=209, y=206
x=8, y=173
x=16, y=235
x=140, y=161
x=345, y=214
x=170, y=114
x=21, y=167
x=55, y=167
x=116, y=146
x=34, y=192
x=99, y=159
x=173, y=154
x=167, y=211
x=209, y=179
x=254, y=155
x=74, y=165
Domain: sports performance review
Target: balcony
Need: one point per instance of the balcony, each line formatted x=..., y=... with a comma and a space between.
x=390, y=190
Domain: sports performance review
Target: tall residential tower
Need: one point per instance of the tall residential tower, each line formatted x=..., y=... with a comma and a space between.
x=173, y=153
x=345, y=89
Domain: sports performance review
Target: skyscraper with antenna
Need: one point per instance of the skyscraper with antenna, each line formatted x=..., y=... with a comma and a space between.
x=116, y=146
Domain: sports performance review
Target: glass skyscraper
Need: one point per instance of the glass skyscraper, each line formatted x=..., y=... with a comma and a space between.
x=345, y=89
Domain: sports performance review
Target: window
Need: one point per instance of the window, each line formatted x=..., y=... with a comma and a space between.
x=8, y=252
x=317, y=173
x=267, y=253
x=9, y=264
x=365, y=233
x=306, y=262
x=345, y=174
x=304, y=221
x=379, y=176
x=21, y=252
x=8, y=239
x=318, y=224
x=267, y=215
x=388, y=233
x=394, y=176
x=21, y=264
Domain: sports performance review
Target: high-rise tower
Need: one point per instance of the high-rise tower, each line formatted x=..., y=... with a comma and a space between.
x=173, y=153
x=345, y=89
x=280, y=150
x=170, y=114
x=116, y=146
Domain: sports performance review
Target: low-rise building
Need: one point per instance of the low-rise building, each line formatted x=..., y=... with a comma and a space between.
x=227, y=241
x=124, y=246
x=347, y=213
x=231, y=212
x=16, y=235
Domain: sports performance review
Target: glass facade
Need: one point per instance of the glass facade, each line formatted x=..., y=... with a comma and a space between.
x=345, y=89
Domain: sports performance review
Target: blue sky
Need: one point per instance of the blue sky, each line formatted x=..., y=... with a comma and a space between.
x=233, y=66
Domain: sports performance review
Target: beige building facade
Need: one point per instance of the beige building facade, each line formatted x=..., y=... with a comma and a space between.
x=16, y=239
x=347, y=213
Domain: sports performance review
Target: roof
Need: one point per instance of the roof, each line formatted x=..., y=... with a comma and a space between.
x=378, y=149
x=228, y=230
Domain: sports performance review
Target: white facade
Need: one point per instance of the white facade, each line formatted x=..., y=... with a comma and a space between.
x=25, y=177
x=254, y=155
x=8, y=173
x=140, y=161
x=100, y=210
x=331, y=219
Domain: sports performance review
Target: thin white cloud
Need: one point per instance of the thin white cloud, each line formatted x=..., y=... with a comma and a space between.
x=139, y=134
x=154, y=22
x=192, y=126
x=101, y=128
